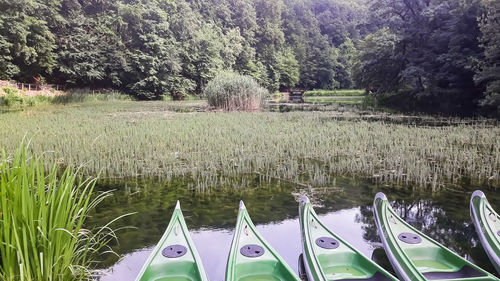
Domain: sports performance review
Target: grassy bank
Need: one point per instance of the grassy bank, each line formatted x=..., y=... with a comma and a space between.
x=150, y=139
x=12, y=98
x=42, y=214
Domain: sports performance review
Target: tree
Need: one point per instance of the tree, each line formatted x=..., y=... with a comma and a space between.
x=489, y=73
x=436, y=41
x=288, y=68
x=377, y=67
x=26, y=42
x=89, y=50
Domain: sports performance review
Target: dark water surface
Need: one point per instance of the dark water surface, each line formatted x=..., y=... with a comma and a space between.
x=211, y=216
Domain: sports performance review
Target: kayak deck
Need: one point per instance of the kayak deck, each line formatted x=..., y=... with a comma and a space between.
x=251, y=257
x=487, y=223
x=174, y=258
x=328, y=257
x=417, y=257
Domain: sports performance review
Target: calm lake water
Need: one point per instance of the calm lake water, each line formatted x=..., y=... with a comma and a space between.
x=346, y=208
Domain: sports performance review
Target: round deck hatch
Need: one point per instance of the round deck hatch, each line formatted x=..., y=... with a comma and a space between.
x=174, y=251
x=410, y=238
x=252, y=250
x=327, y=243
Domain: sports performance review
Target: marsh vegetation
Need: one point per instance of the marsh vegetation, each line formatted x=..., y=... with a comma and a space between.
x=42, y=217
x=155, y=139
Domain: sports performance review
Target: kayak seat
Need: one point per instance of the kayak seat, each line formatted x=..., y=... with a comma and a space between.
x=270, y=270
x=345, y=265
x=376, y=277
x=175, y=271
x=464, y=272
x=433, y=259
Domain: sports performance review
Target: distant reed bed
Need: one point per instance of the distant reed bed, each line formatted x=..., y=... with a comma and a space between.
x=333, y=93
x=148, y=139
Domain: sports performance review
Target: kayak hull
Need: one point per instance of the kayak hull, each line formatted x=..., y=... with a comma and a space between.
x=251, y=257
x=487, y=224
x=327, y=257
x=417, y=257
x=175, y=257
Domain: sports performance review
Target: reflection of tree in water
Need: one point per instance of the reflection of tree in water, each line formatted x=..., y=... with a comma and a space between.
x=153, y=203
x=428, y=217
x=444, y=217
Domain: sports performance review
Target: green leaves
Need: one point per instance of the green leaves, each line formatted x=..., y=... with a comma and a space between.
x=26, y=42
x=489, y=73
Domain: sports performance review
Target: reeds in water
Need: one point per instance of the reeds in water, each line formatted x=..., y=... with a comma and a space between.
x=149, y=139
x=42, y=216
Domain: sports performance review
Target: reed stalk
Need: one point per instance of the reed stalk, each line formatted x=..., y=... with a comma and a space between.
x=42, y=216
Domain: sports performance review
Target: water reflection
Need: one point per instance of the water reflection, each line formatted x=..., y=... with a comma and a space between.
x=211, y=217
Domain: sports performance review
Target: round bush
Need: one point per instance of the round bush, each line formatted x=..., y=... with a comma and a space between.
x=231, y=91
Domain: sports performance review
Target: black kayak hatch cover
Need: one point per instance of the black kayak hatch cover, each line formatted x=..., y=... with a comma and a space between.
x=252, y=251
x=410, y=238
x=327, y=243
x=174, y=251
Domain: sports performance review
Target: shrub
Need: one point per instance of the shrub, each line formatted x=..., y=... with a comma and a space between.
x=11, y=97
x=231, y=91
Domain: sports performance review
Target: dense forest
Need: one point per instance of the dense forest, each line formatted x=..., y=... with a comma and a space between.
x=433, y=55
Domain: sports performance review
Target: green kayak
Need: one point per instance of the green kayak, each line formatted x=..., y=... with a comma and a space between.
x=487, y=223
x=175, y=257
x=328, y=257
x=251, y=257
x=416, y=257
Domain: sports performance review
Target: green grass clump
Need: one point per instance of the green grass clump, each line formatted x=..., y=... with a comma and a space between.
x=152, y=139
x=13, y=98
x=334, y=99
x=86, y=96
x=42, y=214
x=331, y=93
x=231, y=91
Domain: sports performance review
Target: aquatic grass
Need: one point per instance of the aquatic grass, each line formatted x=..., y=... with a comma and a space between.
x=137, y=139
x=232, y=91
x=42, y=216
x=334, y=99
x=88, y=96
x=333, y=93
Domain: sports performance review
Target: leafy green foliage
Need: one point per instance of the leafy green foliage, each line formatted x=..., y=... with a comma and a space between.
x=489, y=73
x=377, y=67
x=231, y=91
x=423, y=57
x=14, y=98
x=26, y=42
x=416, y=53
x=288, y=68
x=153, y=48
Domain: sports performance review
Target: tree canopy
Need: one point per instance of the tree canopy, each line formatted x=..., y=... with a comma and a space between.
x=439, y=54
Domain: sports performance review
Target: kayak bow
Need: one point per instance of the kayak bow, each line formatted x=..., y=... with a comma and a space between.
x=328, y=257
x=175, y=257
x=487, y=223
x=251, y=257
x=417, y=257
